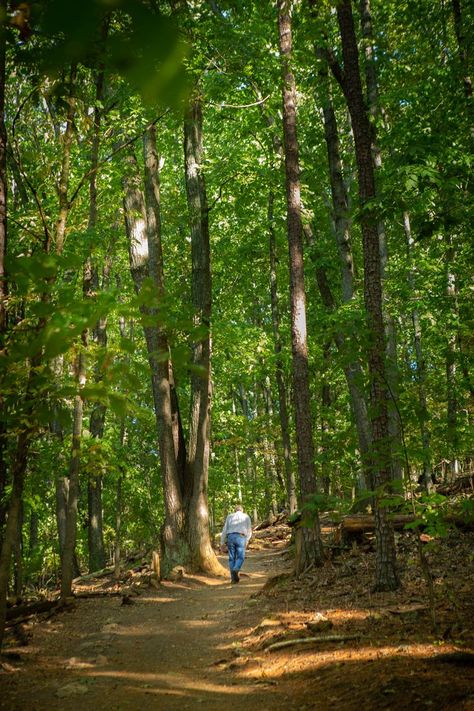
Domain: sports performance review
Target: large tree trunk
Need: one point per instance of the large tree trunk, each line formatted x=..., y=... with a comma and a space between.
x=392, y=372
x=3, y=253
x=279, y=369
x=310, y=550
x=202, y=553
x=342, y=230
x=91, y=286
x=174, y=547
x=386, y=569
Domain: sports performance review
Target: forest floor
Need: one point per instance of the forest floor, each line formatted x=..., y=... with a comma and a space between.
x=203, y=643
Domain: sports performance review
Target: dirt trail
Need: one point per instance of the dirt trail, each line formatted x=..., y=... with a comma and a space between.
x=202, y=643
x=174, y=648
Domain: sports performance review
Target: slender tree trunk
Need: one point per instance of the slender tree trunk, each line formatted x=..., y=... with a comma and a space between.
x=423, y=415
x=33, y=537
x=386, y=569
x=202, y=553
x=462, y=47
x=451, y=364
x=18, y=555
x=279, y=369
x=63, y=184
x=67, y=561
x=118, y=529
x=268, y=459
x=61, y=483
x=268, y=400
x=310, y=551
x=11, y=528
x=326, y=403
x=238, y=478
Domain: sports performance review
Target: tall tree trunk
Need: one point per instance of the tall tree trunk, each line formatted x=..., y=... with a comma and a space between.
x=310, y=550
x=268, y=458
x=3, y=253
x=326, y=402
x=33, y=533
x=91, y=287
x=63, y=184
x=67, y=561
x=11, y=528
x=462, y=47
x=423, y=415
x=386, y=568
x=238, y=478
x=392, y=373
x=249, y=454
x=174, y=547
x=342, y=230
x=202, y=553
x=279, y=369
x=451, y=363
x=18, y=555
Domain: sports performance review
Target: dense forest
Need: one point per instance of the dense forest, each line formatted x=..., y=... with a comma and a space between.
x=235, y=252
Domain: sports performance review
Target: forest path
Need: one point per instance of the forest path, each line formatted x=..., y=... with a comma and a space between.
x=176, y=648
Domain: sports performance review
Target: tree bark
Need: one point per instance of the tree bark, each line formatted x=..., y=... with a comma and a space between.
x=11, y=528
x=342, y=230
x=202, y=553
x=279, y=369
x=67, y=561
x=462, y=47
x=63, y=185
x=174, y=547
x=387, y=577
x=451, y=363
x=311, y=551
x=3, y=254
x=392, y=372
x=97, y=555
x=423, y=414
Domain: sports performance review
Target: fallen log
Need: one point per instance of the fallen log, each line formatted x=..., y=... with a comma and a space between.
x=366, y=522
x=360, y=523
x=271, y=520
x=102, y=573
x=33, y=608
x=462, y=483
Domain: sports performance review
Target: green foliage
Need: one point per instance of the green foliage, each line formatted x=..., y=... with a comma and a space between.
x=231, y=56
x=430, y=511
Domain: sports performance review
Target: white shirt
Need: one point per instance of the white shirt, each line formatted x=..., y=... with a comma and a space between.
x=237, y=522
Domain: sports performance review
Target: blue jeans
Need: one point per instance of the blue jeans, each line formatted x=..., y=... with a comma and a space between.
x=236, y=544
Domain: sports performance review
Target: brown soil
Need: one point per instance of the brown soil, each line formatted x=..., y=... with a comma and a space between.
x=202, y=643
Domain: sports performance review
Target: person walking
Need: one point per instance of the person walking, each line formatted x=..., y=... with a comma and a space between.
x=236, y=534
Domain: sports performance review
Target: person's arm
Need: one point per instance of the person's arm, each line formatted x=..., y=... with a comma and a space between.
x=224, y=533
x=248, y=534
